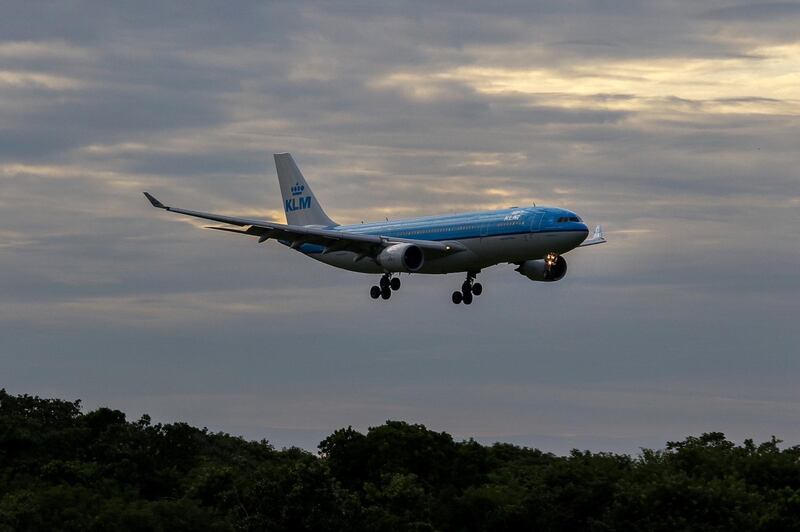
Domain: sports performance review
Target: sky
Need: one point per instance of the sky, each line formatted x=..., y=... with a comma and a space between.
x=674, y=124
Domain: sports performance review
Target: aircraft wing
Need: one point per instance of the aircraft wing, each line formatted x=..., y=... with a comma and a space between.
x=597, y=238
x=297, y=235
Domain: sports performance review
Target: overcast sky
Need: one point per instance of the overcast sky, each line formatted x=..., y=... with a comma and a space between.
x=675, y=124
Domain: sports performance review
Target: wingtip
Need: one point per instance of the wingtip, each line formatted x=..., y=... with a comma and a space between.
x=153, y=201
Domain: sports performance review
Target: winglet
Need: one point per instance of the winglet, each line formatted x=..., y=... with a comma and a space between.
x=153, y=201
x=598, y=237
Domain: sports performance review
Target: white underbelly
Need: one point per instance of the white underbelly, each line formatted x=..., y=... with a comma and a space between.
x=480, y=253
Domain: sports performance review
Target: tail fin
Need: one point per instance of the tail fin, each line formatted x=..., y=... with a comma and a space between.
x=299, y=203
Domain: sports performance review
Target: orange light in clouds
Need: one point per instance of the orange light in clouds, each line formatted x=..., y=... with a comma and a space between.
x=737, y=84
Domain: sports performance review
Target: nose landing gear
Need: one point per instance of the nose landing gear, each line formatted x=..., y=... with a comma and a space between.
x=388, y=284
x=468, y=289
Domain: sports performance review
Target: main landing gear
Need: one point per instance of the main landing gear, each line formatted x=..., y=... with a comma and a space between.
x=388, y=284
x=468, y=289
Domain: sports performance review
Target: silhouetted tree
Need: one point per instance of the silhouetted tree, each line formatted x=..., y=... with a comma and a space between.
x=61, y=469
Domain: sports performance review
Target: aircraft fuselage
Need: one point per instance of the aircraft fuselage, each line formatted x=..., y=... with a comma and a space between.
x=491, y=237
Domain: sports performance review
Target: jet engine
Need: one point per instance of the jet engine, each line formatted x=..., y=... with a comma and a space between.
x=553, y=268
x=401, y=258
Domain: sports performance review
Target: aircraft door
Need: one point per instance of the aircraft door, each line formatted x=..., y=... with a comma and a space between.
x=536, y=221
x=485, y=229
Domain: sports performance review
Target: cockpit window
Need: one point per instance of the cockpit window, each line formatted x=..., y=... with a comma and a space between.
x=565, y=219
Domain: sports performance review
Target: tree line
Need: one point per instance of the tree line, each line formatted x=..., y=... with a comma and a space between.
x=63, y=469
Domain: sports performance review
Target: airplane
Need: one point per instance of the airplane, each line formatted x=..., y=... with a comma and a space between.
x=534, y=238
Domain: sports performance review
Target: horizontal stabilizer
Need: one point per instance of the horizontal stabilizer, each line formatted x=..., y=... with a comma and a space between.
x=597, y=238
x=228, y=230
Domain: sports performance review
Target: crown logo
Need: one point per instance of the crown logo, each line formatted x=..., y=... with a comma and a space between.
x=297, y=189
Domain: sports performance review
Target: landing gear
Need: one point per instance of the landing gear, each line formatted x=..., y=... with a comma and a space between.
x=387, y=285
x=468, y=289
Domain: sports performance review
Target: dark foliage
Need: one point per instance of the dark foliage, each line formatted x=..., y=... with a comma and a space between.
x=61, y=469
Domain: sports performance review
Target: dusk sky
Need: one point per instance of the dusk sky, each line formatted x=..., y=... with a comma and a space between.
x=674, y=124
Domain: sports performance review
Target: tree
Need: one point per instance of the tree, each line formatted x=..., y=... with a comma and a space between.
x=64, y=469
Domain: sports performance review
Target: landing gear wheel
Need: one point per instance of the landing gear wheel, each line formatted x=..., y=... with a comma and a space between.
x=395, y=284
x=469, y=289
x=375, y=292
x=384, y=282
x=386, y=293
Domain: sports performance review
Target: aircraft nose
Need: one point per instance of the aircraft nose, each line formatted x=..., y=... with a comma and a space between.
x=584, y=231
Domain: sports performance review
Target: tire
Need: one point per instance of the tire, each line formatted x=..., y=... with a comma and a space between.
x=384, y=282
x=468, y=298
x=466, y=287
x=386, y=293
x=457, y=297
x=375, y=292
x=395, y=284
x=477, y=289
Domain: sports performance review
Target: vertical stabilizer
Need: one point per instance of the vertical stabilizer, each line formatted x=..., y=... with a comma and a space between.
x=299, y=203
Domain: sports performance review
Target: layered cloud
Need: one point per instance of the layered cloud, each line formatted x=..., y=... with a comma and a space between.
x=675, y=125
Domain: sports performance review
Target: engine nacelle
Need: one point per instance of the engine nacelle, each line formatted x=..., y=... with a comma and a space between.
x=401, y=258
x=538, y=270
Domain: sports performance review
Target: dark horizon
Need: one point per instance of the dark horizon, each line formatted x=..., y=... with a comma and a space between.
x=68, y=470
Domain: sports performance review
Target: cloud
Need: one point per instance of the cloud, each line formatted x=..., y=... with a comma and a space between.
x=673, y=126
x=748, y=12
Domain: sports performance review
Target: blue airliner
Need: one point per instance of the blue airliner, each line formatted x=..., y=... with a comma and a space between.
x=533, y=238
